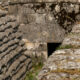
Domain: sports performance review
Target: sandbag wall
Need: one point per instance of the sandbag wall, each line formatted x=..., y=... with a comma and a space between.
x=13, y=63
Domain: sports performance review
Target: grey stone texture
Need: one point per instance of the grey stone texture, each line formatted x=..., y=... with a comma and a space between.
x=73, y=38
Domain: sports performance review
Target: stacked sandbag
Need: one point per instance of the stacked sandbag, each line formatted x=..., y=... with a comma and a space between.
x=13, y=63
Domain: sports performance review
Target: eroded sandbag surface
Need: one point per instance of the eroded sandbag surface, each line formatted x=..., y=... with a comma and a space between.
x=13, y=63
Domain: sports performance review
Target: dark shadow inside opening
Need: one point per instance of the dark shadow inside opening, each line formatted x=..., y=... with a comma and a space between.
x=51, y=47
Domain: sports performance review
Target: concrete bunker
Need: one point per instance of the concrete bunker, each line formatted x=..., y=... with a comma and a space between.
x=40, y=23
x=45, y=22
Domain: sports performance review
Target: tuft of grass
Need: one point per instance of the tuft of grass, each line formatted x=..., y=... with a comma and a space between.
x=65, y=47
x=37, y=66
x=32, y=74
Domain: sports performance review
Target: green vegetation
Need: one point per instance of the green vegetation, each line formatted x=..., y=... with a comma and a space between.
x=37, y=66
x=32, y=74
x=65, y=47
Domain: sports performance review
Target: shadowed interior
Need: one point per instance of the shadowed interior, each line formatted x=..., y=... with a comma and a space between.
x=52, y=47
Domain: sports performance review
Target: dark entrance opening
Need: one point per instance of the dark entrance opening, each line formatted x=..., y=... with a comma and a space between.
x=52, y=47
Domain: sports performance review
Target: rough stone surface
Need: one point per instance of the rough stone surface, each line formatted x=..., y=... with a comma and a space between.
x=73, y=38
x=38, y=50
x=64, y=64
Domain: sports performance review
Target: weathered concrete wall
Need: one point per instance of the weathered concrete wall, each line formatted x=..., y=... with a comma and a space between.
x=38, y=18
x=39, y=25
x=45, y=20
